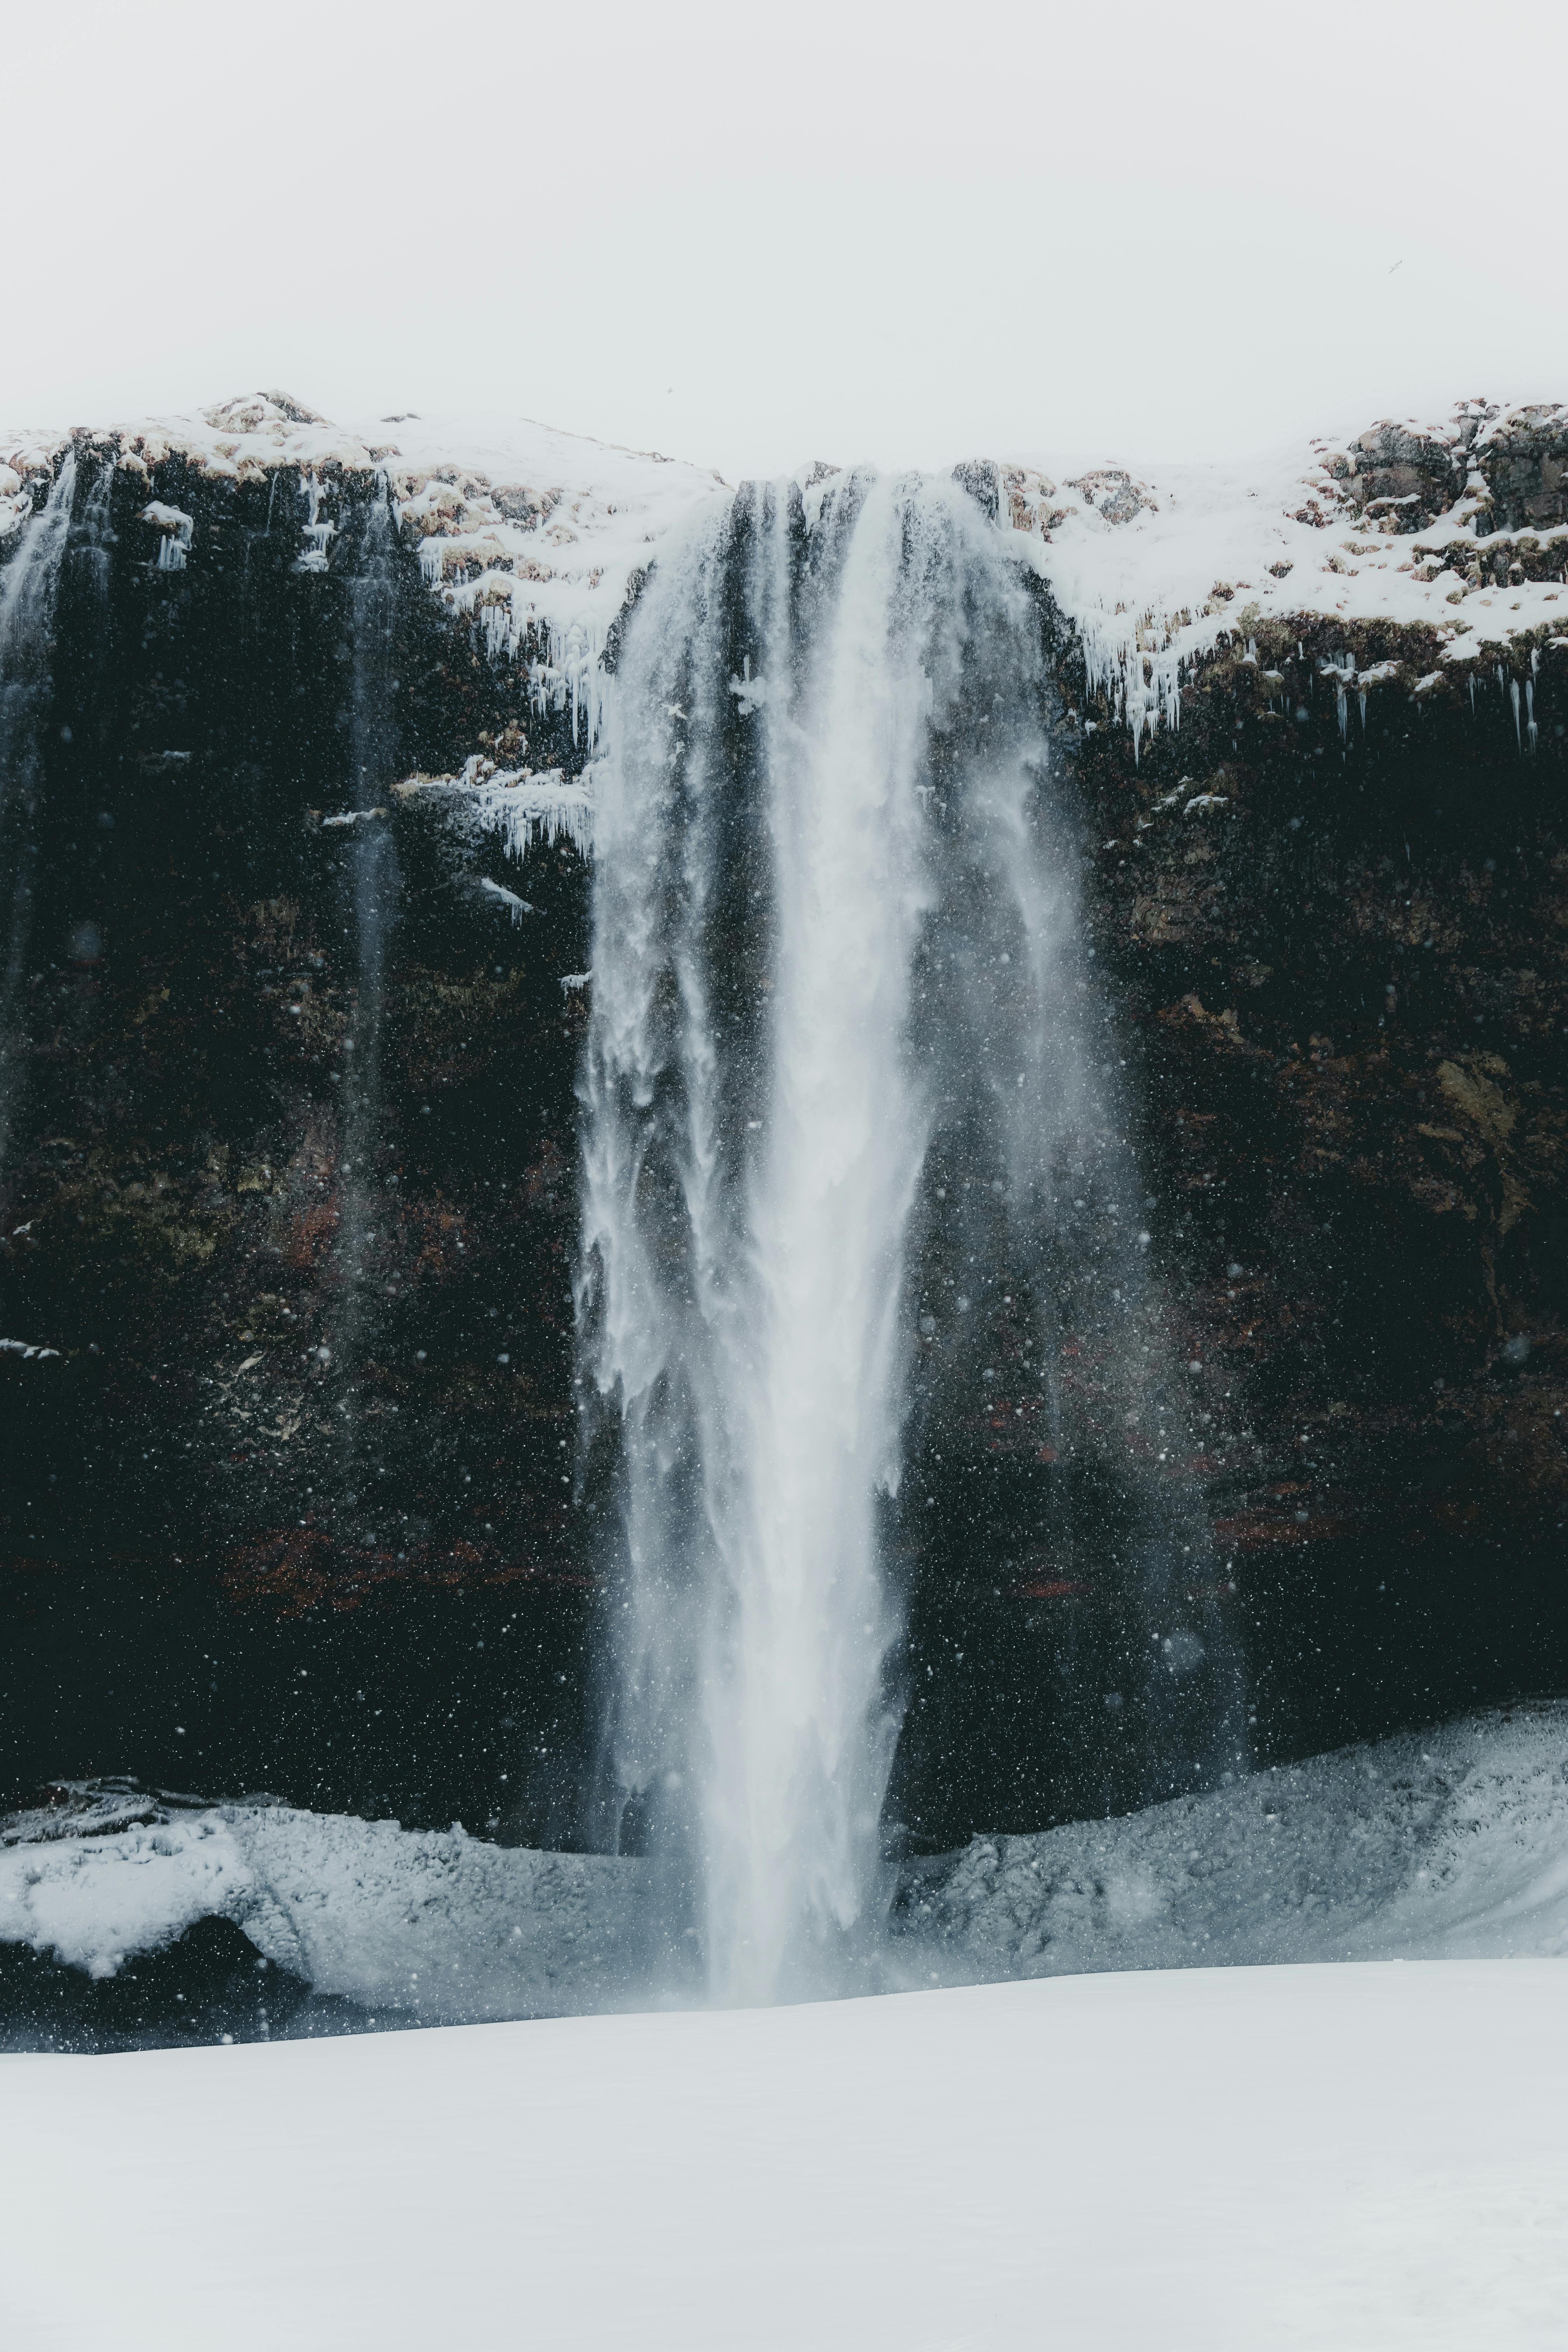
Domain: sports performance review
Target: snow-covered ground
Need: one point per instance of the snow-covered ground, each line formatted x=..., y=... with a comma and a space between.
x=1155, y=576
x=1362, y=2158
x=1450, y=1843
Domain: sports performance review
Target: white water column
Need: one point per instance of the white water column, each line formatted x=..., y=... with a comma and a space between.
x=821, y=744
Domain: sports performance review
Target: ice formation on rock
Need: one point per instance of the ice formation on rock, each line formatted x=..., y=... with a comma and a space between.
x=1457, y=525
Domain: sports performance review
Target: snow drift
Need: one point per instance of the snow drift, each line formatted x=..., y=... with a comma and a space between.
x=1448, y=1844
x=1315, y=2159
x=433, y=1923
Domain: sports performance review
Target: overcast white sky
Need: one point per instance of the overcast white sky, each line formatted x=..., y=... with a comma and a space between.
x=750, y=234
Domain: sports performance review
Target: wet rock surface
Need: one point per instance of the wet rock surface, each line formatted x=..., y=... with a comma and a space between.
x=304, y=1440
x=291, y=1501
x=1335, y=905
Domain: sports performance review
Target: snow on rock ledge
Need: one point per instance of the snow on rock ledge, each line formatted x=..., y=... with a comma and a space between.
x=1456, y=529
x=536, y=533
x=436, y=1923
x=521, y=806
x=1459, y=529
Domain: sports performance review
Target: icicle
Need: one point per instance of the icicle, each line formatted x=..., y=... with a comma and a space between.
x=1531, y=728
x=1342, y=669
x=516, y=908
x=1137, y=667
x=178, y=530
x=519, y=805
x=1513, y=697
x=564, y=671
x=319, y=534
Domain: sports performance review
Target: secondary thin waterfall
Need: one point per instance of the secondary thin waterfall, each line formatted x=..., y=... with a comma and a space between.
x=374, y=884
x=833, y=939
x=29, y=584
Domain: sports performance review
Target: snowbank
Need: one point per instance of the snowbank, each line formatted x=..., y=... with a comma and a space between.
x=435, y=1924
x=1358, y=2159
x=1454, y=1844
x=1450, y=1843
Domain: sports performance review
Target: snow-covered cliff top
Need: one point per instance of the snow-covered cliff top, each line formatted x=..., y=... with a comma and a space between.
x=537, y=531
x=1459, y=526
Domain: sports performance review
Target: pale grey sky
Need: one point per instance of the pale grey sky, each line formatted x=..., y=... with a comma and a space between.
x=748, y=235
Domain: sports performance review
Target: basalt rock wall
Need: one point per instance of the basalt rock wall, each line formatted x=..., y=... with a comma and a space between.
x=291, y=1503
x=1335, y=903
x=288, y=1500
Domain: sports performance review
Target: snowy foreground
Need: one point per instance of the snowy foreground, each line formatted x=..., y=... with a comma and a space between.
x=1352, y=2159
x=1356, y=2157
x=1450, y=1843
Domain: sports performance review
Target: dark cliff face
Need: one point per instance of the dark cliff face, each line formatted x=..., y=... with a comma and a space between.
x=1339, y=932
x=305, y=1262
x=291, y=1189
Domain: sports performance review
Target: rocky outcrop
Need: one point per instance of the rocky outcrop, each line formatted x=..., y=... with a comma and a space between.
x=289, y=1496
x=1399, y=479
x=310, y=1324
x=1336, y=905
x=1512, y=464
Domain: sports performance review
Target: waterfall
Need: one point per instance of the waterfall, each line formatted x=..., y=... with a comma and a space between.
x=94, y=537
x=845, y=1071
x=373, y=756
x=374, y=884
x=28, y=588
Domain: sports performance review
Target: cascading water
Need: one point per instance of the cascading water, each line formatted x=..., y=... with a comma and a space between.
x=374, y=885
x=836, y=959
x=29, y=587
